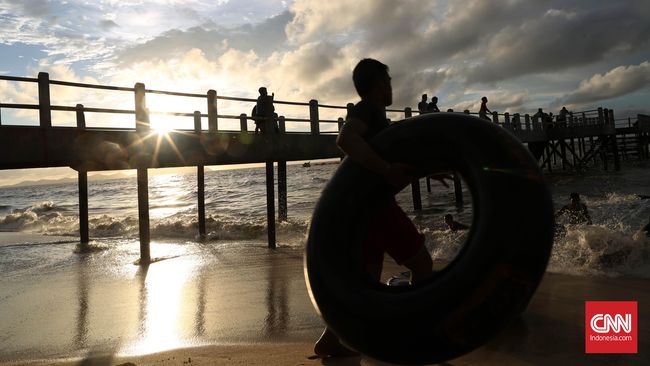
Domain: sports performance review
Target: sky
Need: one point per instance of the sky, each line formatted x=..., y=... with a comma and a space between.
x=522, y=55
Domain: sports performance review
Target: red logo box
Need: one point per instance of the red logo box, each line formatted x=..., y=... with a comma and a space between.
x=611, y=327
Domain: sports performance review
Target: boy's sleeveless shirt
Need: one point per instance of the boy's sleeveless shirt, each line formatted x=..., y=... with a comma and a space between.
x=372, y=115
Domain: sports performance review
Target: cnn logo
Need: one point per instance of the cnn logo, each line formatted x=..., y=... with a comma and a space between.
x=611, y=327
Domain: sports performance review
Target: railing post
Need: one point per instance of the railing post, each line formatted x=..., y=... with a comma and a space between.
x=142, y=124
x=270, y=205
x=243, y=122
x=213, y=123
x=200, y=182
x=408, y=112
x=282, y=126
x=617, y=157
x=571, y=120
x=340, y=123
x=313, y=117
x=415, y=192
x=495, y=117
x=44, y=106
x=141, y=112
x=527, y=121
x=82, y=175
x=506, y=121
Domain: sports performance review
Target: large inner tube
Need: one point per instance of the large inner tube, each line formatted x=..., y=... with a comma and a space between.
x=490, y=281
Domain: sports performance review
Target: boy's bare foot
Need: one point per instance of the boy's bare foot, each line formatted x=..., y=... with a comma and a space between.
x=329, y=346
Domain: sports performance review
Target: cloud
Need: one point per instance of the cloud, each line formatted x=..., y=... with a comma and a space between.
x=619, y=81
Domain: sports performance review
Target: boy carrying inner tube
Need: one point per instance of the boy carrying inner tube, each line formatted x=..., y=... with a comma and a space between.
x=391, y=231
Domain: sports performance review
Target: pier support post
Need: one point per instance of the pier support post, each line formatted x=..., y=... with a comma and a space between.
x=282, y=191
x=415, y=192
x=270, y=204
x=243, y=122
x=84, y=236
x=142, y=124
x=458, y=190
x=143, y=215
x=200, y=182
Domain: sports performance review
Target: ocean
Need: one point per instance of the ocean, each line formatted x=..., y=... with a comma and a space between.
x=59, y=303
x=44, y=218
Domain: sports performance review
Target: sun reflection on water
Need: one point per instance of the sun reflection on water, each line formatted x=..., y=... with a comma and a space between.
x=163, y=305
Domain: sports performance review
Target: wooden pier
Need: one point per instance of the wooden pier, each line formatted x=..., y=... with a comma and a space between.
x=584, y=139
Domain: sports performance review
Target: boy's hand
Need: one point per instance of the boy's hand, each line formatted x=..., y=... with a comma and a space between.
x=399, y=175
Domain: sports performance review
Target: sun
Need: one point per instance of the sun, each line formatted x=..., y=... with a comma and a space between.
x=162, y=128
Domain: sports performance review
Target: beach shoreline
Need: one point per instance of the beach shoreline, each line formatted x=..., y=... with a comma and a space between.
x=268, y=318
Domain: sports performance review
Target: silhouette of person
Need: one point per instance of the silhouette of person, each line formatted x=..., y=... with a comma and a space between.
x=423, y=106
x=562, y=116
x=392, y=231
x=433, y=106
x=576, y=211
x=482, y=113
x=454, y=225
x=263, y=112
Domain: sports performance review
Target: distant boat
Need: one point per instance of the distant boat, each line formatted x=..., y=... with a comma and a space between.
x=306, y=165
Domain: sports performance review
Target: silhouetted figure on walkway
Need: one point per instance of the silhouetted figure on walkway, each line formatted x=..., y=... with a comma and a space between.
x=433, y=106
x=423, y=106
x=391, y=231
x=454, y=225
x=576, y=211
x=562, y=117
x=482, y=113
x=264, y=113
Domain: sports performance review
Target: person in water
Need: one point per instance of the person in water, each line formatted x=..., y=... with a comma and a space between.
x=454, y=225
x=393, y=232
x=576, y=211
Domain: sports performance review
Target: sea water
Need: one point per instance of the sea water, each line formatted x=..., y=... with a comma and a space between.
x=43, y=219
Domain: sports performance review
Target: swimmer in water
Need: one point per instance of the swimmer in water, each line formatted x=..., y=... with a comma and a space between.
x=576, y=211
x=454, y=225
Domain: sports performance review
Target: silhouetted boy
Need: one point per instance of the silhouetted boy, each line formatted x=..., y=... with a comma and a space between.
x=576, y=211
x=263, y=112
x=433, y=106
x=391, y=230
x=454, y=225
x=423, y=106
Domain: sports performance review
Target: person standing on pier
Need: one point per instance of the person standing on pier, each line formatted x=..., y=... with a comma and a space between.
x=392, y=231
x=482, y=113
x=433, y=106
x=264, y=112
x=423, y=106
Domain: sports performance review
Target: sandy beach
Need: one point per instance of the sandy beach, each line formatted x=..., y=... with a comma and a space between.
x=242, y=304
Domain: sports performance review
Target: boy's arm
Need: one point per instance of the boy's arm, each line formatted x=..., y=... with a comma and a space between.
x=351, y=142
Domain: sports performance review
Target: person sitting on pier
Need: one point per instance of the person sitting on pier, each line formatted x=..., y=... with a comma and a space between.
x=576, y=211
x=482, y=113
x=454, y=225
x=392, y=231
x=423, y=106
x=433, y=106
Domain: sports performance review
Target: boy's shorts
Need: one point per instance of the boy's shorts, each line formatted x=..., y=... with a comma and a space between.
x=392, y=232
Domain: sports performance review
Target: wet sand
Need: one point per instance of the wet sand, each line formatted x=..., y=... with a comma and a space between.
x=243, y=304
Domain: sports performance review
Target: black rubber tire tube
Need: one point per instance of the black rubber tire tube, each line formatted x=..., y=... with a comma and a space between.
x=488, y=284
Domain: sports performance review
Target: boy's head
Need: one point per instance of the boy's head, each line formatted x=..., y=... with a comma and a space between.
x=484, y=99
x=575, y=197
x=262, y=91
x=424, y=97
x=434, y=99
x=372, y=81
